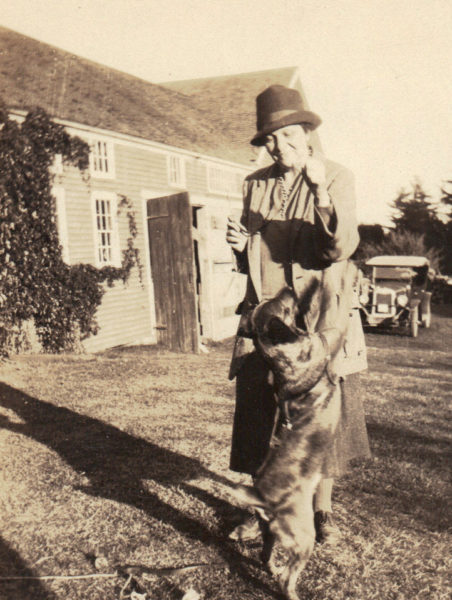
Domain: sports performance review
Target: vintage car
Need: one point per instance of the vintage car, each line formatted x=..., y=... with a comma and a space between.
x=396, y=294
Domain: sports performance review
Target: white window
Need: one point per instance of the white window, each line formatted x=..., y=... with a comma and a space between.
x=176, y=170
x=106, y=229
x=101, y=159
x=225, y=181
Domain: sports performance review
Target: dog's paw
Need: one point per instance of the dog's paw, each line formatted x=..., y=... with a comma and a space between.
x=248, y=530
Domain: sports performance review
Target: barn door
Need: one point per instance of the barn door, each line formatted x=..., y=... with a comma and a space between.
x=172, y=265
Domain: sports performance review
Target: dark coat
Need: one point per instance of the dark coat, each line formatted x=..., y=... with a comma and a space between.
x=318, y=252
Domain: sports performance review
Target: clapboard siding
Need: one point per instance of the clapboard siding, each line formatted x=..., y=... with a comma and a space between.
x=79, y=219
x=140, y=168
x=196, y=174
x=126, y=314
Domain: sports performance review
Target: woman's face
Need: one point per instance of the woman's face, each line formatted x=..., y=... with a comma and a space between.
x=288, y=146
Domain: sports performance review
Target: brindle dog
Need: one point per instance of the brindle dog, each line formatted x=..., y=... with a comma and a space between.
x=310, y=398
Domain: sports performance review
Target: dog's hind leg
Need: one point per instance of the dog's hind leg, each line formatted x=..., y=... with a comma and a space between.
x=296, y=533
x=289, y=577
x=268, y=545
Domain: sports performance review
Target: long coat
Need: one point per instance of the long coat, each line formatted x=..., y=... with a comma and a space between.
x=318, y=251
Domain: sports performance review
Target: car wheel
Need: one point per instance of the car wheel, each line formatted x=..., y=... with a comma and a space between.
x=414, y=322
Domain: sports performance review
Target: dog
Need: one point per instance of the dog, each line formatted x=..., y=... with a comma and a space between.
x=309, y=398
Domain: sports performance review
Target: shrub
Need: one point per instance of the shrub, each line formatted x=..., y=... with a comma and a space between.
x=35, y=283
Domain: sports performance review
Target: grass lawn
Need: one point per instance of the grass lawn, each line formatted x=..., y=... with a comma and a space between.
x=121, y=459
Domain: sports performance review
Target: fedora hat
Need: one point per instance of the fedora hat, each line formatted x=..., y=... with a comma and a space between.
x=278, y=106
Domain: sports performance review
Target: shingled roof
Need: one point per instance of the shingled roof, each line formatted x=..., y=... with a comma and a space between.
x=68, y=87
x=213, y=116
x=232, y=98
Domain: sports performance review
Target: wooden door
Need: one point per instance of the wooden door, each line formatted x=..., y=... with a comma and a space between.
x=172, y=267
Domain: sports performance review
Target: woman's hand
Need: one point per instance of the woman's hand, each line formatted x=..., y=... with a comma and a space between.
x=236, y=235
x=315, y=171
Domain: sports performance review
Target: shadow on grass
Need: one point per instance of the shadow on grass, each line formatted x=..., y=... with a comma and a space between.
x=116, y=463
x=12, y=565
x=423, y=493
x=427, y=364
x=433, y=453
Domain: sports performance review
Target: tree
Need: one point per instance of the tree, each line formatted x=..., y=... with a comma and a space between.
x=446, y=201
x=370, y=236
x=446, y=197
x=400, y=243
x=415, y=213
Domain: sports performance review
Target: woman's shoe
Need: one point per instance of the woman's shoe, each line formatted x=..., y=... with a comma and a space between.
x=326, y=530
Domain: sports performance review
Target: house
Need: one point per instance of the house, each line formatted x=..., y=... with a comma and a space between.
x=179, y=152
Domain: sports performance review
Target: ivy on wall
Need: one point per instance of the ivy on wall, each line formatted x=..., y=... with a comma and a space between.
x=35, y=283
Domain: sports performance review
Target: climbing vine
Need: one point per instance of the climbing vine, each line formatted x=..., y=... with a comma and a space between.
x=36, y=285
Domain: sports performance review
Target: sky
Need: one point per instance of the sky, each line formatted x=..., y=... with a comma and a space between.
x=378, y=72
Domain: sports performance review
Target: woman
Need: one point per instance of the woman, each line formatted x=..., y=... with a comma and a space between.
x=298, y=224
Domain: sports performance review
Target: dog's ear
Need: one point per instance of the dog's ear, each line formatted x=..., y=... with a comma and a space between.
x=245, y=326
x=279, y=333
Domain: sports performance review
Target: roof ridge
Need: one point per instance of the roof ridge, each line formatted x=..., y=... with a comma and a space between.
x=230, y=75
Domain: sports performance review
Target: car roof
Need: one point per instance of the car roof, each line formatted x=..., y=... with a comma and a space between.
x=397, y=261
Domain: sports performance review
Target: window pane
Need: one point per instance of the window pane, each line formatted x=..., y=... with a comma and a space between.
x=101, y=161
x=175, y=170
x=105, y=231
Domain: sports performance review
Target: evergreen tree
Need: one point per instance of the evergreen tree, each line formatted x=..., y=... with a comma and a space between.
x=446, y=200
x=446, y=197
x=416, y=213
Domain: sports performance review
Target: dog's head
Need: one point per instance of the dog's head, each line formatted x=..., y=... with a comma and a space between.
x=279, y=319
x=279, y=322
x=274, y=321
x=296, y=357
